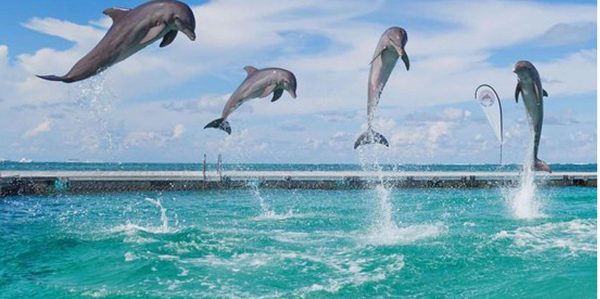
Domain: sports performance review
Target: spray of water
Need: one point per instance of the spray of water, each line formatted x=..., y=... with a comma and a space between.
x=164, y=220
x=384, y=230
x=522, y=200
x=163, y=228
x=267, y=213
x=384, y=223
x=264, y=206
x=93, y=96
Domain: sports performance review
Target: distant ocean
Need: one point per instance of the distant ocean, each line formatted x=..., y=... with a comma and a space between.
x=92, y=166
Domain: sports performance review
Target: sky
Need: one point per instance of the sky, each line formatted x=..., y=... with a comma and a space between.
x=153, y=106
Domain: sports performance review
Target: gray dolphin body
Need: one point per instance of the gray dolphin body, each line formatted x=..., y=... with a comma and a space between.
x=530, y=88
x=389, y=49
x=131, y=31
x=258, y=84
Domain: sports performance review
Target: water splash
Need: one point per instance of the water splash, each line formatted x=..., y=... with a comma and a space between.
x=384, y=221
x=164, y=220
x=93, y=96
x=163, y=228
x=522, y=200
x=267, y=213
x=384, y=224
x=384, y=230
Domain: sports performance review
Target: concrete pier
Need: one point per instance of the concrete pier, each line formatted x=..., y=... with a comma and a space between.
x=52, y=182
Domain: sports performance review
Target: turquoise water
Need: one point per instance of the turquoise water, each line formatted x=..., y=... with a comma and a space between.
x=80, y=166
x=411, y=243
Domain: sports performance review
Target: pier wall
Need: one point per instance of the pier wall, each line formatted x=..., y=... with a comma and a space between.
x=44, y=183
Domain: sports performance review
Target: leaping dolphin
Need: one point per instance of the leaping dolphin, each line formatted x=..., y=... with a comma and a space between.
x=389, y=49
x=530, y=88
x=131, y=31
x=258, y=84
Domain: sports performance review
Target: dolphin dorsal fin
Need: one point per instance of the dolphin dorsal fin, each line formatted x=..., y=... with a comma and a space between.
x=116, y=13
x=544, y=93
x=250, y=70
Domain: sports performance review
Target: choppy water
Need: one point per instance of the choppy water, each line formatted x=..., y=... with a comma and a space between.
x=281, y=243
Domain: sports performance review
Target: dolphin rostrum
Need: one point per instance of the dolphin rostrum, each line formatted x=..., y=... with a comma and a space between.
x=258, y=84
x=389, y=49
x=131, y=31
x=530, y=88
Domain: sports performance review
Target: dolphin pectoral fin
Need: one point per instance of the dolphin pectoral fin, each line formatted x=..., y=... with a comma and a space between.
x=517, y=91
x=370, y=137
x=276, y=95
x=544, y=93
x=153, y=33
x=406, y=61
x=220, y=124
x=169, y=38
x=54, y=78
x=250, y=70
x=116, y=13
x=540, y=165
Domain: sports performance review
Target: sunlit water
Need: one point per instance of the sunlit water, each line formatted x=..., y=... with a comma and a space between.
x=442, y=243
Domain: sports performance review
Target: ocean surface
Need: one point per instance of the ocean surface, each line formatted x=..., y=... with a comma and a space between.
x=90, y=166
x=526, y=242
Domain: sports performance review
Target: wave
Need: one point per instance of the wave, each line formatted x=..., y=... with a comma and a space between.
x=571, y=238
x=395, y=235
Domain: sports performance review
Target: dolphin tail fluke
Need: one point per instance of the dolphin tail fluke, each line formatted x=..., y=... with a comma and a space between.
x=541, y=166
x=370, y=137
x=54, y=78
x=221, y=124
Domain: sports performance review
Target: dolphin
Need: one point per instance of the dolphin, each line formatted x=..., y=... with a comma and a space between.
x=389, y=49
x=131, y=31
x=258, y=84
x=529, y=86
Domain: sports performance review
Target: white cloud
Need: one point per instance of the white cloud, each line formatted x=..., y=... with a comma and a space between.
x=569, y=33
x=572, y=75
x=79, y=34
x=178, y=131
x=44, y=126
x=448, y=61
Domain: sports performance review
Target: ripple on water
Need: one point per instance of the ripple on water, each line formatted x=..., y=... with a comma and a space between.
x=573, y=237
x=395, y=235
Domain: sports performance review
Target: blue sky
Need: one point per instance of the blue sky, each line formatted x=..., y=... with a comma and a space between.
x=153, y=106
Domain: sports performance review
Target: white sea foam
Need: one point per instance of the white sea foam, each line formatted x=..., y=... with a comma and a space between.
x=236, y=262
x=167, y=257
x=130, y=257
x=269, y=215
x=345, y=268
x=350, y=271
x=395, y=235
x=572, y=237
x=101, y=293
x=184, y=272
